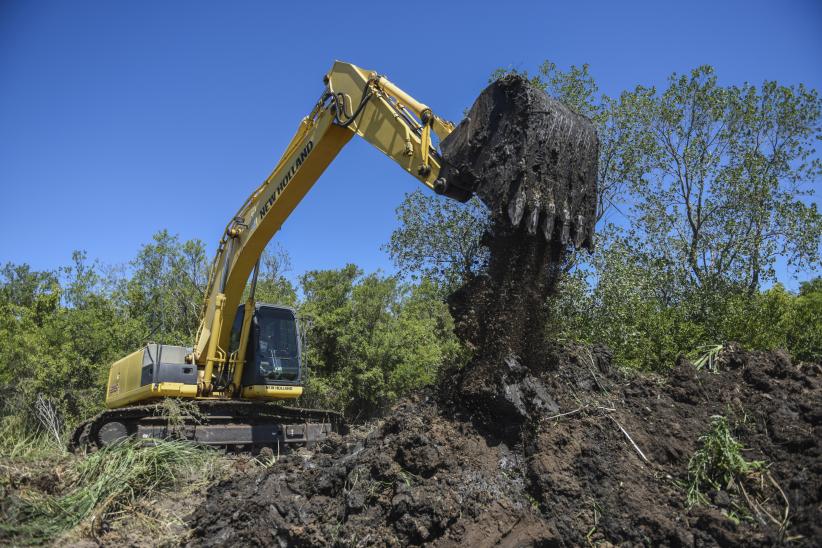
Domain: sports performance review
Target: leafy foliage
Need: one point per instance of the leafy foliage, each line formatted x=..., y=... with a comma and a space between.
x=166, y=288
x=272, y=285
x=623, y=298
x=721, y=193
x=438, y=239
x=372, y=338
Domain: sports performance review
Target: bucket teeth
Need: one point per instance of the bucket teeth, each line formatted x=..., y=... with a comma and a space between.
x=579, y=231
x=533, y=221
x=548, y=226
x=515, y=135
x=516, y=207
x=565, y=237
x=550, y=218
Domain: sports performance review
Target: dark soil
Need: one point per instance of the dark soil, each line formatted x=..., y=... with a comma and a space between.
x=570, y=476
x=533, y=443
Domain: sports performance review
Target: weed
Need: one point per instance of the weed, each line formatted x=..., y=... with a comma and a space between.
x=178, y=413
x=50, y=420
x=18, y=445
x=596, y=510
x=405, y=476
x=376, y=488
x=532, y=501
x=267, y=457
x=718, y=464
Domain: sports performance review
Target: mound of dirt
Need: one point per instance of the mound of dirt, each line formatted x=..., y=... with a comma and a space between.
x=602, y=458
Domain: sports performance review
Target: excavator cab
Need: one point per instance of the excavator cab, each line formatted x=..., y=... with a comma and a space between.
x=274, y=354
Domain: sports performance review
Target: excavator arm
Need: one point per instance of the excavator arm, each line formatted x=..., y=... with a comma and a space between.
x=354, y=102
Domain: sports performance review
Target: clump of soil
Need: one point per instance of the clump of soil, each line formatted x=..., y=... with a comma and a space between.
x=604, y=460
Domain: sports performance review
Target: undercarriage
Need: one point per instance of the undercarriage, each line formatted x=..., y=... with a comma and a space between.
x=243, y=425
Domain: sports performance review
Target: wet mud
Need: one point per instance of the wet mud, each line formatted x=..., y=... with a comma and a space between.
x=533, y=162
x=530, y=159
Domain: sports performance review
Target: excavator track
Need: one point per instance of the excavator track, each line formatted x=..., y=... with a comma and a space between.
x=240, y=425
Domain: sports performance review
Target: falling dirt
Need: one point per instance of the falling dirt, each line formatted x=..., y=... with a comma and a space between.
x=534, y=443
x=533, y=162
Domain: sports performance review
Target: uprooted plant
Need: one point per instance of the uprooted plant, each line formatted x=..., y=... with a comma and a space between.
x=719, y=465
x=177, y=413
x=708, y=357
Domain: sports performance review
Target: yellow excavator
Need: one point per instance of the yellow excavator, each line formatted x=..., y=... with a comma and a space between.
x=248, y=353
x=530, y=159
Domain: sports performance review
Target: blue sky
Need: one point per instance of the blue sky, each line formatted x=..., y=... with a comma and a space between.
x=119, y=119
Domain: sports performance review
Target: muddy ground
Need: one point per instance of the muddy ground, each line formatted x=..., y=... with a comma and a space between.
x=603, y=460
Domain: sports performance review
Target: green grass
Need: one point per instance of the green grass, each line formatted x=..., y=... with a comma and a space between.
x=32, y=447
x=104, y=484
x=19, y=443
x=718, y=463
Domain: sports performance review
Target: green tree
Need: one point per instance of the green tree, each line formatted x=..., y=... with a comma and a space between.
x=59, y=333
x=166, y=288
x=27, y=300
x=620, y=297
x=722, y=193
x=804, y=331
x=372, y=338
x=438, y=239
x=272, y=284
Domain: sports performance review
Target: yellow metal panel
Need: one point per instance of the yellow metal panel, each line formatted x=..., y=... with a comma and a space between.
x=124, y=378
x=380, y=124
x=152, y=391
x=272, y=392
x=124, y=398
x=176, y=390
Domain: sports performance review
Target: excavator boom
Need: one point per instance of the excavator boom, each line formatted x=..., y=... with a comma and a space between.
x=354, y=102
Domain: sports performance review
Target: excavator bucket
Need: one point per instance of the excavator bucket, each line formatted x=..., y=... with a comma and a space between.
x=530, y=159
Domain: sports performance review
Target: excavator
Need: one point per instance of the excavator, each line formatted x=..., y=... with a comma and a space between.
x=247, y=359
